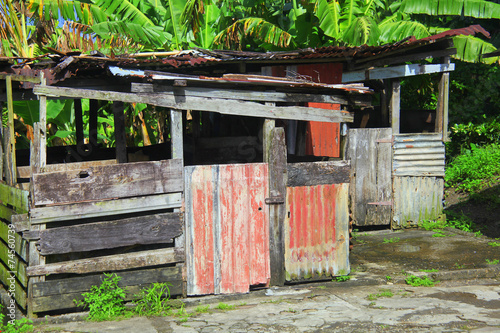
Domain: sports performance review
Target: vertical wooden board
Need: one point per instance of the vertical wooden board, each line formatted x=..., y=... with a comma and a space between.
x=15, y=197
x=258, y=225
x=342, y=229
x=13, y=286
x=199, y=226
x=235, y=276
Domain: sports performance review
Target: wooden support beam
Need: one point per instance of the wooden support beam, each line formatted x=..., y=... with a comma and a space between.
x=20, y=78
x=42, y=152
x=120, y=136
x=176, y=134
x=10, y=140
x=394, y=106
x=277, y=193
x=93, y=109
x=233, y=107
x=395, y=72
x=79, y=122
x=441, y=125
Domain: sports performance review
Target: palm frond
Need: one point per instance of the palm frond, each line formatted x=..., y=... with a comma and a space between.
x=470, y=48
x=395, y=31
x=471, y=8
x=363, y=30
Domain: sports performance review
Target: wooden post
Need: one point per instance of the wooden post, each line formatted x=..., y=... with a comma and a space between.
x=384, y=107
x=120, y=137
x=394, y=105
x=267, y=132
x=10, y=140
x=277, y=194
x=441, y=123
x=94, y=107
x=79, y=122
x=42, y=153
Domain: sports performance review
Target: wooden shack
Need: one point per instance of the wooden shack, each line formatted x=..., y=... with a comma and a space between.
x=255, y=181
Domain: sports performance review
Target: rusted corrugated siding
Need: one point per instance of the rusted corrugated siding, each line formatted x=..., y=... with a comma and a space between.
x=227, y=228
x=417, y=199
x=316, y=231
x=418, y=155
x=323, y=139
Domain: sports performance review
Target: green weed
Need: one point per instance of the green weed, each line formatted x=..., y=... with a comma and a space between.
x=343, y=278
x=153, y=300
x=433, y=270
x=458, y=266
x=391, y=240
x=492, y=262
x=14, y=325
x=416, y=281
x=225, y=307
x=432, y=225
x=494, y=244
x=438, y=234
x=202, y=309
x=388, y=278
x=106, y=301
x=383, y=293
x=321, y=287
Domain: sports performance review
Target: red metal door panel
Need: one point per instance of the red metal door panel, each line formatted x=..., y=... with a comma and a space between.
x=239, y=226
x=323, y=139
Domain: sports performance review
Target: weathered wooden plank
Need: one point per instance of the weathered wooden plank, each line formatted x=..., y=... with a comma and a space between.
x=6, y=213
x=93, y=109
x=277, y=188
x=267, y=138
x=318, y=173
x=13, y=287
x=120, y=135
x=10, y=139
x=395, y=105
x=20, y=78
x=15, y=197
x=24, y=171
x=35, y=260
x=132, y=282
x=149, y=229
x=108, y=182
x=395, y=72
x=13, y=262
x=128, y=278
x=78, y=122
x=105, y=208
x=371, y=167
x=111, y=263
x=9, y=236
x=251, y=95
x=234, y=107
x=441, y=125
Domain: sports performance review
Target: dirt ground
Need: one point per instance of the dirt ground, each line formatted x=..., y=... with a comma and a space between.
x=482, y=208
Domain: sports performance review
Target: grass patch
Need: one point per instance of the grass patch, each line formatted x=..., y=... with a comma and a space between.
x=343, y=278
x=225, y=307
x=492, y=262
x=202, y=309
x=494, y=244
x=416, y=281
x=383, y=293
x=391, y=240
x=474, y=168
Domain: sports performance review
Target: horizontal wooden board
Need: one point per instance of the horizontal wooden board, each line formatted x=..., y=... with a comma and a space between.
x=224, y=106
x=112, y=263
x=6, y=213
x=20, y=244
x=18, y=291
x=60, y=294
x=105, y=208
x=148, y=229
x=252, y=95
x=318, y=173
x=25, y=171
x=108, y=182
x=395, y=72
x=15, y=197
x=14, y=263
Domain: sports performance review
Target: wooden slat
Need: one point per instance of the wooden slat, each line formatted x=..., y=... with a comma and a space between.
x=108, y=182
x=9, y=237
x=395, y=105
x=24, y=171
x=120, y=135
x=20, y=78
x=6, y=213
x=395, y=72
x=59, y=294
x=105, y=208
x=14, y=263
x=318, y=173
x=149, y=229
x=13, y=286
x=249, y=95
x=15, y=197
x=277, y=188
x=111, y=263
x=234, y=107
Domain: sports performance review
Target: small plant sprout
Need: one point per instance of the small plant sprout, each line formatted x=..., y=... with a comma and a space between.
x=391, y=240
x=492, y=262
x=153, y=300
x=225, y=307
x=416, y=281
x=342, y=278
x=388, y=278
x=383, y=293
x=202, y=309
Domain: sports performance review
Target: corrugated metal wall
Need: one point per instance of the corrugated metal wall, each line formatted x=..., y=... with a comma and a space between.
x=417, y=199
x=323, y=139
x=418, y=155
x=227, y=228
x=316, y=231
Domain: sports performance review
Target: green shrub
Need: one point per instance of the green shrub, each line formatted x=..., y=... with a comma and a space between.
x=105, y=301
x=474, y=168
x=15, y=325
